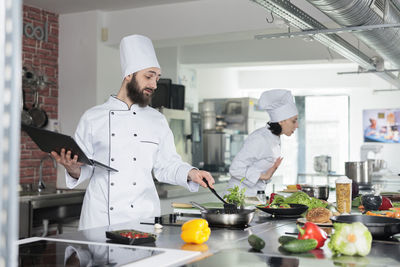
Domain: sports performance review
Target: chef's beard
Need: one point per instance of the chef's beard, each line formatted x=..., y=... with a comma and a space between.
x=137, y=95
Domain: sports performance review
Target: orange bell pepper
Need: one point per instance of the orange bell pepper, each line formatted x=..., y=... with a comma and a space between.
x=195, y=231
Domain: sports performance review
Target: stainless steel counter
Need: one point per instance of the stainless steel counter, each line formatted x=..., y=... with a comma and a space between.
x=230, y=247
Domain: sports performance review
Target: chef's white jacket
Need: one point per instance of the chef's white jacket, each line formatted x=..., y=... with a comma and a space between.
x=136, y=141
x=259, y=152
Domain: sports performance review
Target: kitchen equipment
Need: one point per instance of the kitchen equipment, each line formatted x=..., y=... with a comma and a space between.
x=38, y=115
x=294, y=210
x=136, y=237
x=358, y=172
x=228, y=208
x=317, y=191
x=380, y=227
x=215, y=148
x=217, y=217
x=375, y=165
x=168, y=95
x=180, y=123
x=322, y=164
x=208, y=115
x=343, y=194
x=197, y=140
x=25, y=116
x=321, y=192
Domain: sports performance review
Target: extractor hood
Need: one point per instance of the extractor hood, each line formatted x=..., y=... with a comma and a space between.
x=384, y=41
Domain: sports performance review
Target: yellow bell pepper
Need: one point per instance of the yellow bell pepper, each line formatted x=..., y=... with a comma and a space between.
x=195, y=231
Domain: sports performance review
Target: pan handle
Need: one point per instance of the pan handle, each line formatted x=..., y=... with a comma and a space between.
x=197, y=205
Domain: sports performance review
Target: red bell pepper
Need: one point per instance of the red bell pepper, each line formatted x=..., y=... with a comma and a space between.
x=386, y=204
x=298, y=187
x=271, y=198
x=312, y=231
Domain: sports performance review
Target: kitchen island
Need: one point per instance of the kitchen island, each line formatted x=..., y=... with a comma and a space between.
x=226, y=247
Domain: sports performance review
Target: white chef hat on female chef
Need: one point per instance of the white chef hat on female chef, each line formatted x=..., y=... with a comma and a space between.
x=279, y=104
x=136, y=53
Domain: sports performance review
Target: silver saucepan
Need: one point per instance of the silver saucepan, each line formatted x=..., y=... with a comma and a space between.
x=218, y=217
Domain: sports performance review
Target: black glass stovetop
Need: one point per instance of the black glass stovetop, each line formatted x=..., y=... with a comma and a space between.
x=58, y=253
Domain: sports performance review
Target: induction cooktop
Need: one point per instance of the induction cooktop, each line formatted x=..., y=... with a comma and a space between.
x=59, y=253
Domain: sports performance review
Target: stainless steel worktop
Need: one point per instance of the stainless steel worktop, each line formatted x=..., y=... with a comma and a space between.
x=228, y=247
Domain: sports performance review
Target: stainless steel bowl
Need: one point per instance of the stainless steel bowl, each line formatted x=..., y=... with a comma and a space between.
x=318, y=191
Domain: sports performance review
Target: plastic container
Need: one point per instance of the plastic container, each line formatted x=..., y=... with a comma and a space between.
x=262, y=197
x=343, y=194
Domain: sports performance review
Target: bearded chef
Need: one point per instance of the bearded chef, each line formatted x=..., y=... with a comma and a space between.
x=133, y=138
x=260, y=155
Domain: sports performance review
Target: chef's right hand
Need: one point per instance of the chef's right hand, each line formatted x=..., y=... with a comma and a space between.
x=72, y=165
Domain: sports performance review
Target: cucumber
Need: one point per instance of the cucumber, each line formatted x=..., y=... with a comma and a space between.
x=299, y=246
x=256, y=242
x=285, y=238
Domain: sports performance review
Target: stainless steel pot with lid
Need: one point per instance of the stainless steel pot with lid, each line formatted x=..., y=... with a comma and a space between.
x=358, y=172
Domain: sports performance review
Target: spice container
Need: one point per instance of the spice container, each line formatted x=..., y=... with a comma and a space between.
x=343, y=194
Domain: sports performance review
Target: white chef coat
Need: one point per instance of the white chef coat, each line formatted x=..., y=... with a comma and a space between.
x=259, y=152
x=136, y=141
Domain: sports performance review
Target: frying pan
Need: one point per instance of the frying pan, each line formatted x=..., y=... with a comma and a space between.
x=380, y=227
x=25, y=116
x=39, y=116
x=218, y=217
x=294, y=210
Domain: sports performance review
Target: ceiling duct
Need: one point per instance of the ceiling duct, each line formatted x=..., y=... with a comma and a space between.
x=301, y=20
x=385, y=42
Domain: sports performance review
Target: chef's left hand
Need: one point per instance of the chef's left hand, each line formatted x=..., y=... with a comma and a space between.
x=198, y=175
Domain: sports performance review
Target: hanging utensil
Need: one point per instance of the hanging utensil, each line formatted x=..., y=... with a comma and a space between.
x=39, y=116
x=25, y=116
x=218, y=217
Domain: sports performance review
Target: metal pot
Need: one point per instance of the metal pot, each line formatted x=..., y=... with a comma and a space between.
x=380, y=227
x=358, y=172
x=318, y=191
x=218, y=217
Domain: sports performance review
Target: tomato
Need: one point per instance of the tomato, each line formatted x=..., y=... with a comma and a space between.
x=397, y=214
x=129, y=235
x=298, y=187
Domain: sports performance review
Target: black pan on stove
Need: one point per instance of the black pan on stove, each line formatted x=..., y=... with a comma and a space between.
x=380, y=227
x=294, y=210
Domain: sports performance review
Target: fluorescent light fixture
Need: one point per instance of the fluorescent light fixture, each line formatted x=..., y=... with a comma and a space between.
x=312, y=32
x=367, y=71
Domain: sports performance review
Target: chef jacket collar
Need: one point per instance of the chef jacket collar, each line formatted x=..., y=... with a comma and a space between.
x=118, y=104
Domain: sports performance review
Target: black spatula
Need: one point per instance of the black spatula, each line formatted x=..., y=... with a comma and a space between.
x=228, y=208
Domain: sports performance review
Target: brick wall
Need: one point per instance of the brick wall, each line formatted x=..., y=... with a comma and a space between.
x=42, y=56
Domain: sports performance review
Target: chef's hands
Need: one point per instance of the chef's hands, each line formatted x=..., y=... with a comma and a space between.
x=198, y=175
x=72, y=165
x=268, y=174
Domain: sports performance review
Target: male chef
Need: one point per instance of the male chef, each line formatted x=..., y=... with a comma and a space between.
x=134, y=139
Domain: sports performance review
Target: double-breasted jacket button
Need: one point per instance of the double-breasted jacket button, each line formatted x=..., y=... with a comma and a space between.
x=134, y=134
x=134, y=183
x=134, y=159
x=112, y=183
x=112, y=112
x=112, y=159
x=113, y=134
x=131, y=206
x=111, y=208
x=134, y=113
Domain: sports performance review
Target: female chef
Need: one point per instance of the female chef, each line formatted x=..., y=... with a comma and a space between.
x=260, y=155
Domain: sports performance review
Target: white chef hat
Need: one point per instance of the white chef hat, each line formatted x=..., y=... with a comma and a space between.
x=279, y=104
x=136, y=53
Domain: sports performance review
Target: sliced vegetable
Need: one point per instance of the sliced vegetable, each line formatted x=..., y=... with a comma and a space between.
x=312, y=231
x=300, y=246
x=256, y=242
x=271, y=198
x=350, y=239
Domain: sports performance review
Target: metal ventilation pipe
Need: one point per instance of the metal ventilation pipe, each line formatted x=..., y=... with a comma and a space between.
x=386, y=42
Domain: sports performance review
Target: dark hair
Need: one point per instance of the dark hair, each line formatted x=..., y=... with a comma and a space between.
x=275, y=128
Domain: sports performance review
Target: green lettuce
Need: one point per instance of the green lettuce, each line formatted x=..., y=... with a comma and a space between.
x=350, y=239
